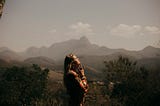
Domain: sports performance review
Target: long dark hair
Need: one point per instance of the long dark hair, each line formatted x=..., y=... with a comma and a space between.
x=67, y=62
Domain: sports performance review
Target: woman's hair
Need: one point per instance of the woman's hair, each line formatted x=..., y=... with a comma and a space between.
x=68, y=61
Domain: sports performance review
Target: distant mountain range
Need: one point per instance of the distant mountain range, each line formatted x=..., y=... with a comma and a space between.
x=81, y=47
x=9, y=55
x=91, y=55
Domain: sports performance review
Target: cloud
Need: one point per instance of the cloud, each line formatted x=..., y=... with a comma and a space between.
x=53, y=31
x=152, y=30
x=81, y=28
x=130, y=31
x=124, y=30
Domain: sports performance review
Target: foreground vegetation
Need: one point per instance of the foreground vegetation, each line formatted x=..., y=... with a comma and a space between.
x=133, y=85
x=125, y=84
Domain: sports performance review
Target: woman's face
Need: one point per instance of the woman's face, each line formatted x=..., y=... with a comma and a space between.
x=76, y=63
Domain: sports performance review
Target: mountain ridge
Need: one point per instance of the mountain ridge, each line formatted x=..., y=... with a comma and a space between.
x=82, y=46
x=91, y=55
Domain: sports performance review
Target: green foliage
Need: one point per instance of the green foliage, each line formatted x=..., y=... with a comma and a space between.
x=22, y=85
x=30, y=86
x=133, y=86
x=118, y=70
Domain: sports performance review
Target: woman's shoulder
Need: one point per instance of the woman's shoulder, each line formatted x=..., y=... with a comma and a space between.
x=72, y=73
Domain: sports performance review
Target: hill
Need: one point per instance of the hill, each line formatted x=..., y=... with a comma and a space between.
x=80, y=47
x=9, y=55
x=92, y=56
x=150, y=63
x=58, y=51
x=83, y=46
x=41, y=61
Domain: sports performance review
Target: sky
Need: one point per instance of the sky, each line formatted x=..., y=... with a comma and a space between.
x=128, y=24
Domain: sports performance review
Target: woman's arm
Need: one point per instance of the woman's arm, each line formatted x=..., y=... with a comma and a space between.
x=82, y=82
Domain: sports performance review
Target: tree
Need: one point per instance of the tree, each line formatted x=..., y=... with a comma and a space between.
x=118, y=70
x=129, y=81
x=1, y=6
x=21, y=86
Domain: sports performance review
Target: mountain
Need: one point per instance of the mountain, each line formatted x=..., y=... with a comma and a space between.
x=58, y=51
x=82, y=46
x=97, y=62
x=91, y=53
x=150, y=63
x=92, y=56
x=9, y=55
x=34, y=52
x=150, y=51
x=41, y=61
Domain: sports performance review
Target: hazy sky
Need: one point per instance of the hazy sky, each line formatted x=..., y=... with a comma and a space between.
x=129, y=24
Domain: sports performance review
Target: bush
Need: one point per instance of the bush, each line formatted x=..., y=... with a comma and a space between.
x=21, y=86
x=133, y=86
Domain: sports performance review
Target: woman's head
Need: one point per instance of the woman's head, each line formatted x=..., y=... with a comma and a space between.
x=70, y=59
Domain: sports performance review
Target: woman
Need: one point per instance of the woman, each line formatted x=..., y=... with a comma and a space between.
x=75, y=80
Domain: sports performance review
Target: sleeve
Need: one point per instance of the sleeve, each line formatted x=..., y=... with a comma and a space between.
x=82, y=83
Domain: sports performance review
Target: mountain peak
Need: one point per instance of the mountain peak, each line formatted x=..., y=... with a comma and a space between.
x=85, y=40
x=150, y=48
